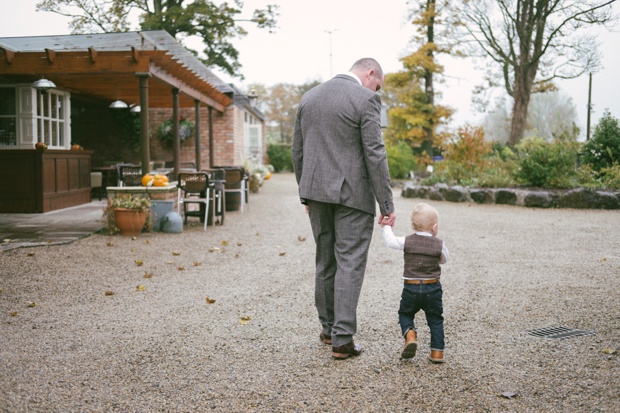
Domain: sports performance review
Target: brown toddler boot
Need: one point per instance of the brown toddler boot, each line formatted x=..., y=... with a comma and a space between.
x=436, y=356
x=411, y=345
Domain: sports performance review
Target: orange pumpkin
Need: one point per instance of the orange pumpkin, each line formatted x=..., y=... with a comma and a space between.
x=268, y=175
x=147, y=180
x=76, y=147
x=160, y=180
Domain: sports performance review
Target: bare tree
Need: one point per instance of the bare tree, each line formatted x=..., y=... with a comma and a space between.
x=531, y=43
x=552, y=116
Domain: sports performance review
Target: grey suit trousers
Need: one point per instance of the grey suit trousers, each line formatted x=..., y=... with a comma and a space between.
x=342, y=237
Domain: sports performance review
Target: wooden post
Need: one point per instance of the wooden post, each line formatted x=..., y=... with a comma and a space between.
x=211, y=148
x=198, y=141
x=175, y=132
x=145, y=145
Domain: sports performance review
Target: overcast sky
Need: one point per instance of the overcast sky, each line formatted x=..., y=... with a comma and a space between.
x=320, y=38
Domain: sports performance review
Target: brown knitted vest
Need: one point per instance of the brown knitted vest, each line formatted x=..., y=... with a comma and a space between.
x=422, y=256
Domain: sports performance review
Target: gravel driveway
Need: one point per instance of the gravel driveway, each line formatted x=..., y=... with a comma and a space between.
x=111, y=324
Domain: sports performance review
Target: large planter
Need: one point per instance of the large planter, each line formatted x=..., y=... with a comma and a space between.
x=130, y=222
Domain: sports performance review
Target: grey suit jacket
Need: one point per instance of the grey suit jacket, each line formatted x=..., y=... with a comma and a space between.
x=338, y=153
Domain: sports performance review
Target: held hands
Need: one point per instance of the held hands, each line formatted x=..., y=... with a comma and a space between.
x=389, y=219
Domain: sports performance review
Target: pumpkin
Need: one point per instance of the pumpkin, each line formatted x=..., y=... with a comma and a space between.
x=147, y=180
x=40, y=146
x=76, y=147
x=160, y=180
x=268, y=175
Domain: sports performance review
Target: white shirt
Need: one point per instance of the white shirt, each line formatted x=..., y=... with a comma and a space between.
x=354, y=76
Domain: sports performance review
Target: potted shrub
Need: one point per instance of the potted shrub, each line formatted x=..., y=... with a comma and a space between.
x=129, y=213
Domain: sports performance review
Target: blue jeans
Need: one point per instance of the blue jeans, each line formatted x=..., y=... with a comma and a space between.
x=425, y=297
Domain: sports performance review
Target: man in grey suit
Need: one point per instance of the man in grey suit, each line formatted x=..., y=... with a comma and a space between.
x=341, y=169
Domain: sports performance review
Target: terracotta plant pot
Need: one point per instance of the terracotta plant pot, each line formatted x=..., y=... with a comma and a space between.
x=130, y=221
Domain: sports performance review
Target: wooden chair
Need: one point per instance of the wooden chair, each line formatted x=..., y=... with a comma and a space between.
x=194, y=188
x=96, y=181
x=236, y=183
x=130, y=175
x=218, y=178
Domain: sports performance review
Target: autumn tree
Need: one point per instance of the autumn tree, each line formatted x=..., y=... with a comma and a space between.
x=280, y=106
x=215, y=24
x=530, y=43
x=414, y=116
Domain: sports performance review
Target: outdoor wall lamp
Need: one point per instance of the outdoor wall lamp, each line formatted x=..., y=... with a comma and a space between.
x=135, y=108
x=43, y=85
x=252, y=97
x=118, y=104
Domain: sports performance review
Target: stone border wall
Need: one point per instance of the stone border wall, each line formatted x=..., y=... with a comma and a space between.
x=580, y=198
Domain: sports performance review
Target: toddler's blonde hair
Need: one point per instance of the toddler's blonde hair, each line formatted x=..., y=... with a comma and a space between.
x=424, y=217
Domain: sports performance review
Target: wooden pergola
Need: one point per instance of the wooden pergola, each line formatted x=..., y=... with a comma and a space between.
x=149, y=69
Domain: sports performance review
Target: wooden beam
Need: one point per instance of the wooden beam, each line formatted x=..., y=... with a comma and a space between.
x=75, y=63
x=186, y=89
x=92, y=54
x=135, y=54
x=51, y=55
x=10, y=55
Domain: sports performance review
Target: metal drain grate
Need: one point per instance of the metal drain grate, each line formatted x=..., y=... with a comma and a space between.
x=559, y=332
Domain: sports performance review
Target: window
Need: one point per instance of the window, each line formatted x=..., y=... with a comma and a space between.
x=8, y=116
x=254, y=139
x=51, y=119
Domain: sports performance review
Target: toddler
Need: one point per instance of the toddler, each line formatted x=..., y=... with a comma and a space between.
x=424, y=253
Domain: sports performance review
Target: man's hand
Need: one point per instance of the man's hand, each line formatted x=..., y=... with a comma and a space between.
x=389, y=219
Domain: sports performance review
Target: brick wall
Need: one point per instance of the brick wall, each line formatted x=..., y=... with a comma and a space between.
x=96, y=128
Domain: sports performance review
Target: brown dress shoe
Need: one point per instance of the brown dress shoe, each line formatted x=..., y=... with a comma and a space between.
x=411, y=345
x=346, y=351
x=436, y=356
x=325, y=338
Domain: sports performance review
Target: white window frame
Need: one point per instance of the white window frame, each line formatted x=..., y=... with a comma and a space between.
x=49, y=126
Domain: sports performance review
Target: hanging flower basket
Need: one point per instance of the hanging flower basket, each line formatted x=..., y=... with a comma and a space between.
x=165, y=130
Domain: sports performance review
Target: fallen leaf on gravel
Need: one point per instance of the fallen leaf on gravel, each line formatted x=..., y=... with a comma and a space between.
x=244, y=320
x=214, y=249
x=109, y=244
x=139, y=263
x=300, y=238
x=239, y=244
x=31, y=304
x=283, y=253
x=49, y=241
x=148, y=241
x=109, y=293
x=236, y=255
x=133, y=250
x=258, y=234
x=210, y=300
x=148, y=275
x=610, y=351
x=509, y=394
x=176, y=253
x=197, y=264
x=181, y=268
x=169, y=262
x=30, y=254
x=603, y=259
x=224, y=242
x=140, y=288
x=13, y=314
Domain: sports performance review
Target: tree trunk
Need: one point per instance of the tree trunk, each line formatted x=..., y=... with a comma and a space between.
x=428, y=75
